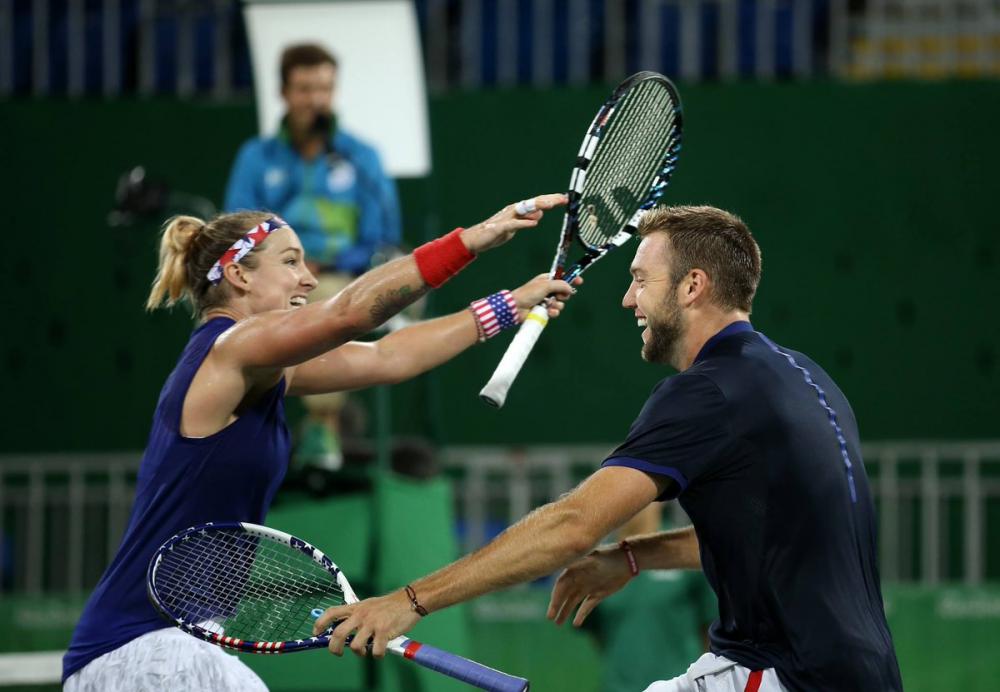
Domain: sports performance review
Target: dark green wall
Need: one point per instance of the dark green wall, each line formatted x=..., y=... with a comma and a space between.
x=872, y=204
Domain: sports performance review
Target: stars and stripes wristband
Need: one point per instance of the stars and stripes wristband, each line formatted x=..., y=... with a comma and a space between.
x=494, y=313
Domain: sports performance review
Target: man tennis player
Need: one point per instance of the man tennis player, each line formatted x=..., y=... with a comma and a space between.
x=762, y=450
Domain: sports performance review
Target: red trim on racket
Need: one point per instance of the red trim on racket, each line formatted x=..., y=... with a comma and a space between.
x=411, y=649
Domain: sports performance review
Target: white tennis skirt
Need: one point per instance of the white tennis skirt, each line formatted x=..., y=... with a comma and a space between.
x=165, y=659
x=712, y=673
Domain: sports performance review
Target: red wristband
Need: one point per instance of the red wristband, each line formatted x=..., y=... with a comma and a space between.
x=633, y=566
x=441, y=259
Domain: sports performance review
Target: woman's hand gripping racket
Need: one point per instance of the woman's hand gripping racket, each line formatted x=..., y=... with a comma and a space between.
x=257, y=590
x=624, y=165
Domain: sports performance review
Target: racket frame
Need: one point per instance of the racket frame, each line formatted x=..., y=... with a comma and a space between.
x=495, y=391
x=444, y=662
x=571, y=219
x=246, y=646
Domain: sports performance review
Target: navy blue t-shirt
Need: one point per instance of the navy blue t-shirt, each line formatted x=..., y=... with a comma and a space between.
x=762, y=450
x=229, y=476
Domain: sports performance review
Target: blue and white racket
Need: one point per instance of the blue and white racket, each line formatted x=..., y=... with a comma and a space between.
x=257, y=590
x=623, y=167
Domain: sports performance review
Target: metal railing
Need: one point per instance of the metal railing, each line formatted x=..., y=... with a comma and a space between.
x=118, y=47
x=938, y=502
x=929, y=39
x=62, y=516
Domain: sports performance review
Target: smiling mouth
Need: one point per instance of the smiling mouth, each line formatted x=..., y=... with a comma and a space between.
x=643, y=325
x=298, y=301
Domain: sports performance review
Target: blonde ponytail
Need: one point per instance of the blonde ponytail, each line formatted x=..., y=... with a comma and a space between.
x=189, y=248
x=171, y=282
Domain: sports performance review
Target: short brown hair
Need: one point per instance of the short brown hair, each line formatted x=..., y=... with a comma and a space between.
x=712, y=240
x=303, y=55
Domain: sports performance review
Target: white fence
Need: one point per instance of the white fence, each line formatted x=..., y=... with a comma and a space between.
x=938, y=502
x=62, y=516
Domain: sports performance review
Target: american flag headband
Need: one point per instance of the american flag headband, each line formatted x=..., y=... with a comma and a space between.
x=242, y=247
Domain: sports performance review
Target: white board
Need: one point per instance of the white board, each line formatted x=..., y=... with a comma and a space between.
x=381, y=90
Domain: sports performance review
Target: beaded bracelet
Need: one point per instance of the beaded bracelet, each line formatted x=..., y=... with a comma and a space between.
x=414, y=604
x=494, y=313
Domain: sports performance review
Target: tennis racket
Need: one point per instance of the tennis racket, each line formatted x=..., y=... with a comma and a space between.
x=253, y=589
x=623, y=166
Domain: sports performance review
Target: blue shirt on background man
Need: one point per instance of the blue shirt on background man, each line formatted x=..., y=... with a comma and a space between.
x=341, y=203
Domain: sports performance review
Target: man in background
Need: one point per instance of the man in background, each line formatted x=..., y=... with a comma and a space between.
x=331, y=188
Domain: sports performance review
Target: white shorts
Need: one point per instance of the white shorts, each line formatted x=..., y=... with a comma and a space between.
x=165, y=659
x=712, y=673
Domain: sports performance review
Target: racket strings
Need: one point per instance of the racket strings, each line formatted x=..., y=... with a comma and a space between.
x=632, y=152
x=638, y=144
x=647, y=104
x=650, y=103
x=650, y=137
x=244, y=586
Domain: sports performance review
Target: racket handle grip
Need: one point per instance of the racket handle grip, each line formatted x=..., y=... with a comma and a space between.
x=495, y=391
x=470, y=672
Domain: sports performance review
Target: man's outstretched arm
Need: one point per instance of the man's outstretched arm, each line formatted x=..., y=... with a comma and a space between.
x=543, y=541
x=591, y=579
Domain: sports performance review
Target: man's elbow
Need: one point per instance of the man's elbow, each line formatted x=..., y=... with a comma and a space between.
x=579, y=533
x=579, y=543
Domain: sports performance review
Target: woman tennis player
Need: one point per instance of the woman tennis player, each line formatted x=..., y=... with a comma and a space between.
x=219, y=447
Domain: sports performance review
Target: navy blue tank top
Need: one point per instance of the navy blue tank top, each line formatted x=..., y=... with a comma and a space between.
x=229, y=476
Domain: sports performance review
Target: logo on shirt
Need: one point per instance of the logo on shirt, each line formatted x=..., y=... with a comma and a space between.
x=341, y=176
x=274, y=177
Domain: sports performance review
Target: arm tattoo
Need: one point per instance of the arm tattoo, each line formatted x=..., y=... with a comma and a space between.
x=391, y=302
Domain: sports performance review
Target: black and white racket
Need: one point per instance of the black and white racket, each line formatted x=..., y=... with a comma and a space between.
x=257, y=590
x=622, y=169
